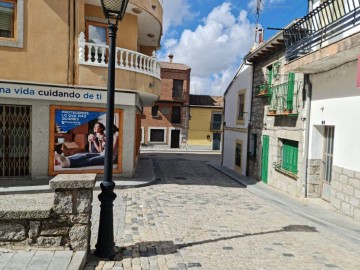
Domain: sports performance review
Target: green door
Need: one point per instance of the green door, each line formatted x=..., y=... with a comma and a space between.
x=265, y=158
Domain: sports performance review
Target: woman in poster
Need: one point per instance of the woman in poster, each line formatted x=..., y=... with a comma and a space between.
x=97, y=141
x=90, y=159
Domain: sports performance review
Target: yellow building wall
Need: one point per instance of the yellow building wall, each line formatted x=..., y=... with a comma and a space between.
x=127, y=34
x=50, y=49
x=44, y=56
x=199, y=126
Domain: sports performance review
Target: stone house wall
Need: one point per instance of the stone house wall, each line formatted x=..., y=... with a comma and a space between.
x=57, y=221
x=345, y=191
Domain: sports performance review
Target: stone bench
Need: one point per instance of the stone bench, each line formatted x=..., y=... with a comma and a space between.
x=59, y=221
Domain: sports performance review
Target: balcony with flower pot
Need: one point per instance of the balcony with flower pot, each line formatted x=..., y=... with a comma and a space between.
x=264, y=90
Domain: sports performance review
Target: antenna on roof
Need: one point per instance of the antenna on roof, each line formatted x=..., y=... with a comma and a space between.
x=257, y=17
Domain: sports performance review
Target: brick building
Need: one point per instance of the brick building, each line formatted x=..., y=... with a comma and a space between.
x=165, y=124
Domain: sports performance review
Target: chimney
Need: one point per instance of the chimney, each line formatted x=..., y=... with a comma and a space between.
x=171, y=56
x=261, y=36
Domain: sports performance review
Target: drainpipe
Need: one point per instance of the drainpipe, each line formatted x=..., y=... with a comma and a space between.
x=308, y=89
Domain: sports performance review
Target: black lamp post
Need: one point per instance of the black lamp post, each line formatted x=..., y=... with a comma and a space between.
x=114, y=11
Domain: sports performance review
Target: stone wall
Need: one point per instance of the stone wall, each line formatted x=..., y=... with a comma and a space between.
x=57, y=221
x=314, y=179
x=345, y=191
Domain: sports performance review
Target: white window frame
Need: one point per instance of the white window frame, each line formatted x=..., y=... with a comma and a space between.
x=18, y=40
x=149, y=133
x=240, y=121
x=142, y=135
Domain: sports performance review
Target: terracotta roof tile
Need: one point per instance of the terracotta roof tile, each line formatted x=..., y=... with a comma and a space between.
x=204, y=100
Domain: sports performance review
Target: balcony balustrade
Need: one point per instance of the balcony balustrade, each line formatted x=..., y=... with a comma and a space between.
x=97, y=55
x=331, y=21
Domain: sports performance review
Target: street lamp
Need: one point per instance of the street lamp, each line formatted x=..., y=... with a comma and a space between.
x=114, y=11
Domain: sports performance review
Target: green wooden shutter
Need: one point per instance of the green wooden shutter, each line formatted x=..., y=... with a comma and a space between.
x=265, y=159
x=290, y=93
x=270, y=76
x=290, y=156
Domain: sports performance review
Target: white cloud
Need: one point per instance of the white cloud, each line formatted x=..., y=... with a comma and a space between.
x=214, y=50
x=175, y=13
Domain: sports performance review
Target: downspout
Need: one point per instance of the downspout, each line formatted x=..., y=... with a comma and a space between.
x=247, y=173
x=308, y=89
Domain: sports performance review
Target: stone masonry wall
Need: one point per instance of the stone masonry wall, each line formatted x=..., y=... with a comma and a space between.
x=62, y=223
x=314, y=178
x=345, y=192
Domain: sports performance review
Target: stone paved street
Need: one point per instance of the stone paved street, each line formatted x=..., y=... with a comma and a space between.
x=197, y=218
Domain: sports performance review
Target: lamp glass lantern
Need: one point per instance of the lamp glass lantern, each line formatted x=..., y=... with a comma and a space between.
x=114, y=9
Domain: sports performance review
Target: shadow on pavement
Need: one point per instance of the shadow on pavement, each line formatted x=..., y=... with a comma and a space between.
x=148, y=249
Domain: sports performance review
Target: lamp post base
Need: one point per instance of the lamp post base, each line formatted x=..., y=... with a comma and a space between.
x=105, y=247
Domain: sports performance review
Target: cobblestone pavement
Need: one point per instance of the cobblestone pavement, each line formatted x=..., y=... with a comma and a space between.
x=197, y=218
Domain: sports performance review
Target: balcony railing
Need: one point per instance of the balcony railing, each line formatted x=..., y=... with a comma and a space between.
x=97, y=55
x=285, y=99
x=215, y=125
x=326, y=24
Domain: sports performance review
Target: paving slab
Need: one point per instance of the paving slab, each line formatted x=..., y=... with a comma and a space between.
x=41, y=260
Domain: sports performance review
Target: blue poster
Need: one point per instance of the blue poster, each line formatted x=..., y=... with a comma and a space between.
x=67, y=120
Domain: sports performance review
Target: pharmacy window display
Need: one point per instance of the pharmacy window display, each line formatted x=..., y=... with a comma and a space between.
x=78, y=138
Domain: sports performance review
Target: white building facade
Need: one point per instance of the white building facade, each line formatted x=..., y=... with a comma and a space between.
x=330, y=62
x=237, y=107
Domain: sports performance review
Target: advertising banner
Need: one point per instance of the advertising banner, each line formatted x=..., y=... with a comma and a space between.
x=78, y=138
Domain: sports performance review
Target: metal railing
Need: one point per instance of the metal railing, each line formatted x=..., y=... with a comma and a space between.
x=281, y=103
x=97, y=55
x=216, y=125
x=15, y=128
x=326, y=24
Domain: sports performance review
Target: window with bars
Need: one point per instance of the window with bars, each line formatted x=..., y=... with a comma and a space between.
x=177, y=91
x=216, y=121
x=328, y=153
x=14, y=140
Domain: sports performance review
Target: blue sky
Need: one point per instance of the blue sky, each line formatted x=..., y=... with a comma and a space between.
x=212, y=36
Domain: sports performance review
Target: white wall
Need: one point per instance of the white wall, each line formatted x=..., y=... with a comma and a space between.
x=230, y=138
x=242, y=80
x=336, y=101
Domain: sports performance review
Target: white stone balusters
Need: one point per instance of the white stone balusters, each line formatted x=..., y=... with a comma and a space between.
x=81, y=44
x=121, y=58
x=97, y=55
x=89, y=48
x=103, y=54
x=126, y=59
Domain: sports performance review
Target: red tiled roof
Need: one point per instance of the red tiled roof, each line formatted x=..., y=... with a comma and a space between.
x=204, y=100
